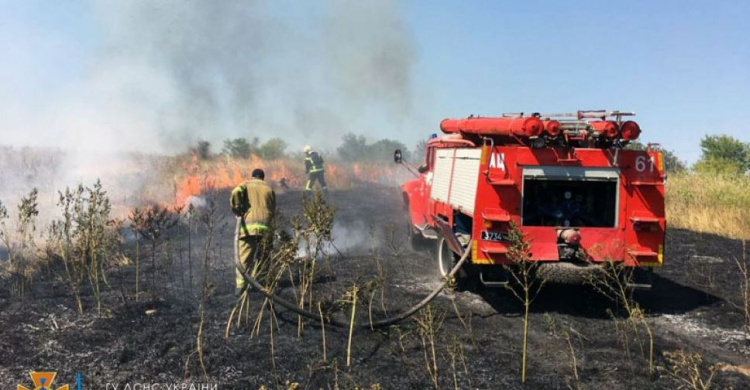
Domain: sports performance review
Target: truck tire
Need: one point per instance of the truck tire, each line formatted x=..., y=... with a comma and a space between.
x=466, y=277
x=568, y=273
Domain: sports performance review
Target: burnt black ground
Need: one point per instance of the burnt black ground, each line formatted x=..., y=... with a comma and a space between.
x=692, y=306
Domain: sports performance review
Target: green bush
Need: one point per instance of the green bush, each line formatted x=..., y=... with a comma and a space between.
x=203, y=150
x=718, y=166
x=238, y=147
x=273, y=149
x=725, y=153
x=356, y=148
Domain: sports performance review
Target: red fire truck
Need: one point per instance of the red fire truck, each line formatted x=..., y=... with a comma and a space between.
x=566, y=180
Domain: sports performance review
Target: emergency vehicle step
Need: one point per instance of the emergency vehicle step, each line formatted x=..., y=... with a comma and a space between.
x=643, y=253
x=639, y=286
x=647, y=183
x=427, y=232
x=494, y=283
x=495, y=251
x=641, y=280
x=496, y=216
x=502, y=182
x=645, y=219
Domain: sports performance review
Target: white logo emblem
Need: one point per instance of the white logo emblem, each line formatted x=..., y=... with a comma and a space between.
x=497, y=160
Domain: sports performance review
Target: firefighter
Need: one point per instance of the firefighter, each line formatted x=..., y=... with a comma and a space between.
x=254, y=203
x=314, y=168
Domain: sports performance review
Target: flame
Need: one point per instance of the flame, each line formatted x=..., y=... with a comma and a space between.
x=191, y=183
x=197, y=177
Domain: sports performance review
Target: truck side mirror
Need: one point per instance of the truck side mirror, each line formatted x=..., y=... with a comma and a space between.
x=422, y=169
x=397, y=157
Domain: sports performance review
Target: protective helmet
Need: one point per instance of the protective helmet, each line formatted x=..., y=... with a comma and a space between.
x=307, y=149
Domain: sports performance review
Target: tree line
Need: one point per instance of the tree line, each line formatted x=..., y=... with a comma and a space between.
x=353, y=148
x=720, y=154
x=272, y=149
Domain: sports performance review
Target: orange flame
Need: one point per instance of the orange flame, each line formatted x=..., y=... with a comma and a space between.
x=200, y=176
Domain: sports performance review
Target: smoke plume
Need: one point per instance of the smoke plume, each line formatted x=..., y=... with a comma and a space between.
x=162, y=75
x=171, y=72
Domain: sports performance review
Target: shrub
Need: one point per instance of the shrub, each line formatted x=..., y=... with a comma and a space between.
x=724, y=152
x=356, y=148
x=238, y=147
x=203, y=150
x=273, y=149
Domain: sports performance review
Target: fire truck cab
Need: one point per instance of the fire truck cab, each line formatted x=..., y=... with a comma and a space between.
x=565, y=180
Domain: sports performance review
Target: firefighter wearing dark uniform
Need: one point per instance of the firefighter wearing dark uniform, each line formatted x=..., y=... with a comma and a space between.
x=314, y=168
x=254, y=202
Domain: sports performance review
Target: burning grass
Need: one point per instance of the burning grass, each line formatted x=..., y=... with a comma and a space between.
x=136, y=180
x=192, y=176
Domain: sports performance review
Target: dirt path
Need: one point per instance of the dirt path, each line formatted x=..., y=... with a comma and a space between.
x=477, y=336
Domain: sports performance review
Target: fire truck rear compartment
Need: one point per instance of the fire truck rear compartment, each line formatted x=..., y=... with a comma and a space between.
x=570, y=197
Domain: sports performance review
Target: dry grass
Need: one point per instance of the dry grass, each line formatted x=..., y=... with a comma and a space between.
x=688, y=370
x=710, y=204
x=190, y=176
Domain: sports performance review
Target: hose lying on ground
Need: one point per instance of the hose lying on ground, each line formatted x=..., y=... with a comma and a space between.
x=313, y=316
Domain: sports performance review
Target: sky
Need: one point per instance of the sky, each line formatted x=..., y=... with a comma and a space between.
x=156, y=76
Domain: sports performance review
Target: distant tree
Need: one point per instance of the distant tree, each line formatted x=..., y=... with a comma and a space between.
x=672, y=163
x=383, y=150
x=273, y=149
x=352, y=148
x=255, y=146
x=419, y=151
x=718, y=166
x=725, y=153
x=356, y=148
x=237, y=148
x=203, y=150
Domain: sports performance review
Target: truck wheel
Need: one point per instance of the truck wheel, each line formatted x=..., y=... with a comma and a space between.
x=446, y=259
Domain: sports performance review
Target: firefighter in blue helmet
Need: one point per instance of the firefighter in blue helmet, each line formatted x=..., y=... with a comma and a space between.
x=254, y=203
x=314, y=168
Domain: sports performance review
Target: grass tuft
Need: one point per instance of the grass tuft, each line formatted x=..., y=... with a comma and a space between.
x=718, y=204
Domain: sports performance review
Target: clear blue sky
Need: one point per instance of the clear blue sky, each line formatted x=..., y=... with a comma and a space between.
x=681, y=65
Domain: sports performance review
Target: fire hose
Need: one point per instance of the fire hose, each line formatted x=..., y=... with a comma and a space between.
x=313, y=316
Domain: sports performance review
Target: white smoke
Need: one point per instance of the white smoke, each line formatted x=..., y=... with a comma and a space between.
x=163, y=75
x=346, y=237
